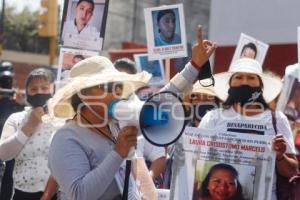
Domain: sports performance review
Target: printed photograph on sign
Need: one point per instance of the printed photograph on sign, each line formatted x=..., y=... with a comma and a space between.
x=165, y=28
x=215, y=180
x=83, y=24
x=289, y=103
x=249, y=47
x=67, y=59
x=154, y=67
x=208, y=160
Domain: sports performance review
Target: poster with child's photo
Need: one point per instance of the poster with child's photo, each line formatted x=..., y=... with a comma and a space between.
x=165, y=28
x=154, y=67
x=67, y=59
x=249, y=47
x=83, y=24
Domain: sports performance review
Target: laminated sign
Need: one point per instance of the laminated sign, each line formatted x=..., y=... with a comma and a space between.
x=211, y=164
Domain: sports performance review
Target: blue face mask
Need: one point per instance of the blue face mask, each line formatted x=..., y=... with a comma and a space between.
x=38, y=100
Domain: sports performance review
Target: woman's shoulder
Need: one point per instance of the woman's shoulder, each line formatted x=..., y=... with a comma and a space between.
x=68, y=130
x=17, y=116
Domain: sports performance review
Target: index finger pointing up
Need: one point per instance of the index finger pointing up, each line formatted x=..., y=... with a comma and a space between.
x=199, y=34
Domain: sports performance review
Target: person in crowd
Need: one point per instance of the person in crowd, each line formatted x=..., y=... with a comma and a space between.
x=166, y=26
x=202, y=99
x=246, y=92
x=221, y=182
x=93, y=143
x=80, y=25
x=125, y=65
x=7, y=106
x=26, y=138
x=155, y=156
x=249, y=50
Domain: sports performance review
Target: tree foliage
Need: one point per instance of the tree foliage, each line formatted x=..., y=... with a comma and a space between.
x=20, y=32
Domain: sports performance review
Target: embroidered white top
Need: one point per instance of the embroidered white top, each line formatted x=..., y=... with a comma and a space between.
x=31, y=153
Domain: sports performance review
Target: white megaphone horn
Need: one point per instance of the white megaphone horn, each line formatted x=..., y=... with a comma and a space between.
x=161, y=118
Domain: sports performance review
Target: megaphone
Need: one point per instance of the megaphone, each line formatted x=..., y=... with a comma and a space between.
x=160, y=118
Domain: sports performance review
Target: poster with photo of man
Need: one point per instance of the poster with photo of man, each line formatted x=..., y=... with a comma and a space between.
x=249, y=47
x=83, y=24
x=68, y=58
x=165, y=28
x=205, y=160
x=154, y=67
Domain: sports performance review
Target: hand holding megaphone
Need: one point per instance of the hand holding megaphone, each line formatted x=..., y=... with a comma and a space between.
x=161, y=118
x=127, y=138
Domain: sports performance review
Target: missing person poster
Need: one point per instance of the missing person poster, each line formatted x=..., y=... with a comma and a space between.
x=220, y=165
x=165, y=28
x=83, y=24
x=249, y=47
x=67, y=59
x=154, y=67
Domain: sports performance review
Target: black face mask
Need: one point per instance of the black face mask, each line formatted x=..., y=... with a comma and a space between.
x=202, y=109
x=38, y=100
x=245, y=94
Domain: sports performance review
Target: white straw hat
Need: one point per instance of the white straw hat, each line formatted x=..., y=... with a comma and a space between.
x=93, y=71
x=198, y=88
x=271, y=85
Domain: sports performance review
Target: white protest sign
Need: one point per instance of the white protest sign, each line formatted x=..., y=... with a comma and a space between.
x=203, y=155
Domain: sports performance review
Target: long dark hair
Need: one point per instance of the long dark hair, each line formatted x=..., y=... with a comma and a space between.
x=204, y=192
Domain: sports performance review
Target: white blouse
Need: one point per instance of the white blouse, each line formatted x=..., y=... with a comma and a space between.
x=31, y=153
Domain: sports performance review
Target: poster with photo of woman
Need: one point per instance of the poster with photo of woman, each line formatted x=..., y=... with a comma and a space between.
x=165, y=28
x=83, y=24
x=215, y=180
x=210, y=160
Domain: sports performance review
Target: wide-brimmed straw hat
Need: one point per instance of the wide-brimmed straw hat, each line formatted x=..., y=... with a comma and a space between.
x=271, y=84
x=91, y=72
x=198, y=88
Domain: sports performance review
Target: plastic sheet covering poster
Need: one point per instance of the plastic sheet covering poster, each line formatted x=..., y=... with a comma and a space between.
x=211, y=164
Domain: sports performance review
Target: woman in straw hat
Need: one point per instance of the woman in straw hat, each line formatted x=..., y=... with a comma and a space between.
x=87, y=152
x=202, y=100
x=246, y=91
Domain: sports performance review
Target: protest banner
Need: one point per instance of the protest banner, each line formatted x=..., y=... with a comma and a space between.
x=200, y=151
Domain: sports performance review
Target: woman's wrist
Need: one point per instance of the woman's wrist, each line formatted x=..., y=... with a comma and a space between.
x=195, y=65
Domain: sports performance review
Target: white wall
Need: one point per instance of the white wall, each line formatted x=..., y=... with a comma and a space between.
x=271, y=21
